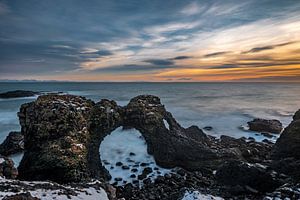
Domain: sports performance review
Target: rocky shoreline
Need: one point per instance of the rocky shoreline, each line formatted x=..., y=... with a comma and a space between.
x=62, y=135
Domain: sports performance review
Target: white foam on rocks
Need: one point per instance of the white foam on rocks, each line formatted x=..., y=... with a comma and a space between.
x=129, y=148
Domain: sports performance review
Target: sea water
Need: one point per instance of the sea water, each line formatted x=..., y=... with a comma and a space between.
x=226, y=107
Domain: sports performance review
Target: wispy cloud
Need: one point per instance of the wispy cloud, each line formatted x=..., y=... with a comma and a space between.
x=4, y=8
x=263, y=48
x=216, y=54
x=192, y=9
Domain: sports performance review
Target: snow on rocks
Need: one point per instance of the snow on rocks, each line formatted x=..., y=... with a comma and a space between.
x=49, y=190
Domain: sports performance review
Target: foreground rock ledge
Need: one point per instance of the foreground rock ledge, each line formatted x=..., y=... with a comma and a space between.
x=62, y=135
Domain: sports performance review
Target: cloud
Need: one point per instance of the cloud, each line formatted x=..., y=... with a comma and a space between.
x=4, y=8
x=216, y=54
x=132, y=68
x=153, y=36
x=191, y=9
x=184, y=79
x=263, y=48
x=226, y=66
x=181, y=57
x=159, y=62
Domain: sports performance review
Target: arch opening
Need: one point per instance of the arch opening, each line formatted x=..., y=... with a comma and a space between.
x=124, y=155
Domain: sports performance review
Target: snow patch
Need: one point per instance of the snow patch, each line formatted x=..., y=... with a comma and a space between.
x=196, y=195
x=167, y=125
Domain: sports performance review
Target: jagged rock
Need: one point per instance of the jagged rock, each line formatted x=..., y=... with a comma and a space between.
x=55, y=138
x=21, y=196
x=18, y=93
x=14, y=143
x=286, y=152
x=251, y=177
x=7, y=168
x=264, y=125
x=62, y=135
x=250, y=151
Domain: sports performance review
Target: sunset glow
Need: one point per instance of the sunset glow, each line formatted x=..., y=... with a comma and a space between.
x=190, y=41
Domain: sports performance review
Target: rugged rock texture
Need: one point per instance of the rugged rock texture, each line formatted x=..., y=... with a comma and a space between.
x=264, y=125
x=286, y=152
x=33, y=190
x=22, y=196
x=250, y=151
x=17, y=94
x=7, y=168
x=252, y=177
x=14, y=143
x=55, y=138
x=63, y=133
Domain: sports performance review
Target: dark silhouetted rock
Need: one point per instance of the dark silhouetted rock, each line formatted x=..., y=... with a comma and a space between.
x=14, y=143
x=18, y=94
x=208, y=128
x=264, y=125
x=242, y=174
x=286, y=152
x=55, y=138
x=7, y=168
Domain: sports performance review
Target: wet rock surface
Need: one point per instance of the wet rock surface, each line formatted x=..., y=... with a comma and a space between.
x=264, y=125
x=18, y=94
x=14, y=143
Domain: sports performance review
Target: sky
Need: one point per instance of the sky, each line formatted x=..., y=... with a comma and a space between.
x=150, y=40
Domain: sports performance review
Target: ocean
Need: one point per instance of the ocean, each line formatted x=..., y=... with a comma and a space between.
x=226, y=107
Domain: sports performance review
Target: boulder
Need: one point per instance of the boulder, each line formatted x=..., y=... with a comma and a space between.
x=252, y=177
x=14, y=143
x=18, y=94
x=7, y=169
x=264, y=125
x=62, y=135
x=286, y=151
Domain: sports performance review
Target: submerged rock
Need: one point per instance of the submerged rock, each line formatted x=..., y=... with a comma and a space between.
x=14, y=143
x=18, y=94
x=264, y=125
x=286, y=152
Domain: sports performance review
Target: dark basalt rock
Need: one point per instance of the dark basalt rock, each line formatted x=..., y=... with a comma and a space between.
x=286, y=152
x=14, y=143
x=62, y=135
x=264, y=125
x=21, y=196
x=18, y=94
x=250, y=151
x=7, y=168
x=55, y=138
x=251, y=177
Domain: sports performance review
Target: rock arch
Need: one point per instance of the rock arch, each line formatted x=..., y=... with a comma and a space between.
x=63, y=134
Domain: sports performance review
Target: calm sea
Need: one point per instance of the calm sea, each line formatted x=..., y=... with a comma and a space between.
x=224, y=106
